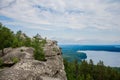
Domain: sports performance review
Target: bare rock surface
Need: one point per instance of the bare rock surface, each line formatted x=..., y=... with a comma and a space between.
x=27, y=68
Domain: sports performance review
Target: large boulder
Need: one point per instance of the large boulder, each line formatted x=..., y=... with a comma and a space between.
x=27, y=68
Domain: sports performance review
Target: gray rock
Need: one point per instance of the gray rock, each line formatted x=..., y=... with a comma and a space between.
x=6, y=50
x=30, y=69
x=19, y=53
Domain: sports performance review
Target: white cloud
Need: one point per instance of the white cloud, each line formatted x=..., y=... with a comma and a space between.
x=59, y=14
x=23, y=10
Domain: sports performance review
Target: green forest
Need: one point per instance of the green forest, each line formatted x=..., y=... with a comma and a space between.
x=89, y=71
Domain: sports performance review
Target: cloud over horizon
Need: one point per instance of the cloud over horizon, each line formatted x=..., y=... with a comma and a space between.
x=68, y=21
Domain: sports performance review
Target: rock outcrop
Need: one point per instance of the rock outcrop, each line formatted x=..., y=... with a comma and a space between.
x=27, y=68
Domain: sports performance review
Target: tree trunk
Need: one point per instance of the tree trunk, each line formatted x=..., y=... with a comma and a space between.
x=3, y=52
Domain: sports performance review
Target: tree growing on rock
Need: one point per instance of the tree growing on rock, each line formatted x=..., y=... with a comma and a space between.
x=6, y=37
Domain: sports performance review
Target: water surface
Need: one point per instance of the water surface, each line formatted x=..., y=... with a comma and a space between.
x=109, y=58
x=109, y=54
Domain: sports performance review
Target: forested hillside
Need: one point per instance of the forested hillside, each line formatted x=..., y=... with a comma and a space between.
x=89, y=71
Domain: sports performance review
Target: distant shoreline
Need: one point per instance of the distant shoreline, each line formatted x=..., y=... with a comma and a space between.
x=109, y=48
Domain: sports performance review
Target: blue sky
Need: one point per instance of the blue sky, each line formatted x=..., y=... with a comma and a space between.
x=67, y=21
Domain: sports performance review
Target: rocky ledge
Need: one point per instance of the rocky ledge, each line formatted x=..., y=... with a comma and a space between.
x=27, y=68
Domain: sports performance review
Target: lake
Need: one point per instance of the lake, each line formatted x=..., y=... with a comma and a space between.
x=109, y=54
x=109, y=58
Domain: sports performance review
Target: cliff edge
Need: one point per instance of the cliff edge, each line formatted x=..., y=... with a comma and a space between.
x=21, y=65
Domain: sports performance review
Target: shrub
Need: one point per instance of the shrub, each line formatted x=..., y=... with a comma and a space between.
x=44, y=41
x=55, y=49
x=14, y=59
x=39, y=55
x=1, y=62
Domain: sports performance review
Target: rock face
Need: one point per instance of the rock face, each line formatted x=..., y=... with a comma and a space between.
x=27, y=68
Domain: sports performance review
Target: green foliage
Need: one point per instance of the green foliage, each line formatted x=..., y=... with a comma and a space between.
x=27, y=42
x=1, y=62
x=55, y=49
x=39, y=55
x=38, y=44
x=43, y=42
x=14, y=59
x=15, y=42
x=8, y=39
x=89, y=71
x=116, y=68
x=20, y=39
x=82, y=55
x=88, y=77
